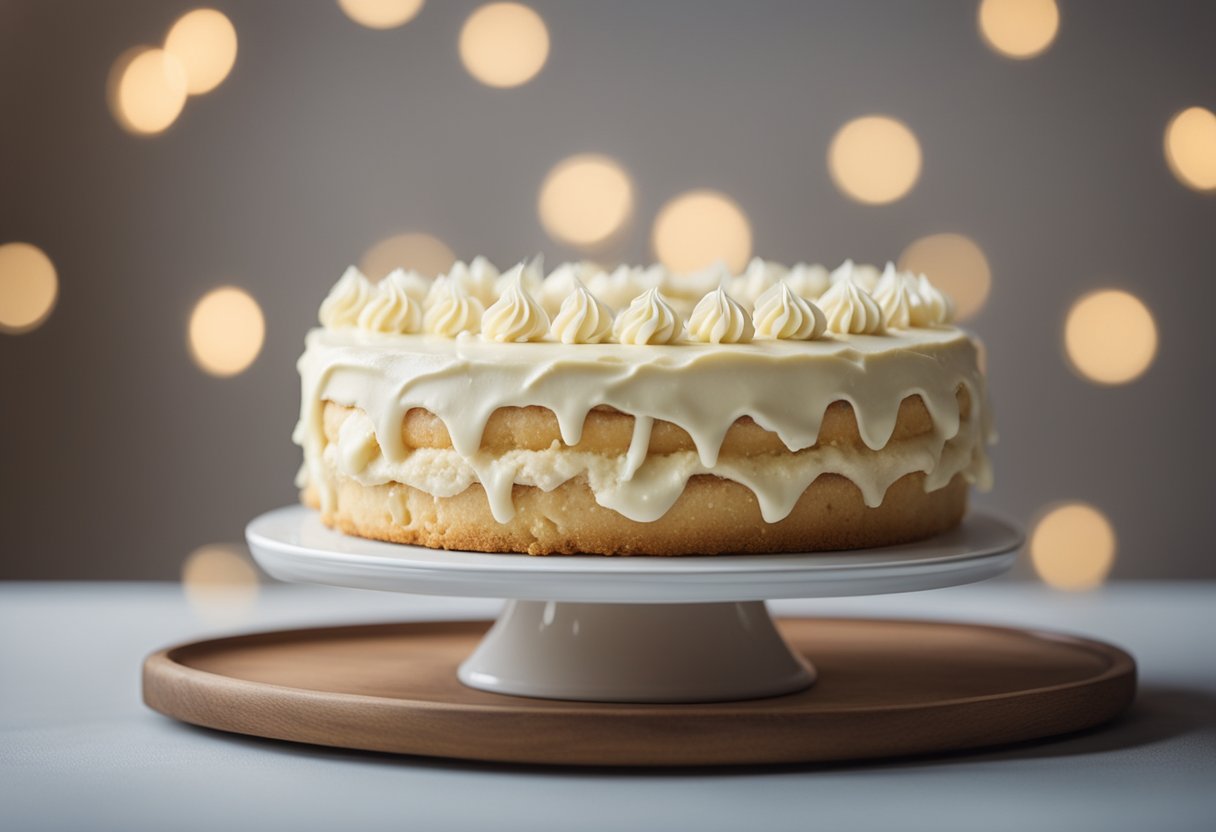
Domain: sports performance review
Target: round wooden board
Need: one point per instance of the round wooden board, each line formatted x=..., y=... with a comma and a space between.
x=886, y=688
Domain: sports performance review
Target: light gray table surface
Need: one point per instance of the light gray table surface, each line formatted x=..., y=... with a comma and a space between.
x=78, y=750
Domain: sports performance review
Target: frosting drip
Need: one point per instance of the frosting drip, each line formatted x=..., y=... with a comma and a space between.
x=718, y=319
x=648, y=320
x=785, y=386
x=782, y=314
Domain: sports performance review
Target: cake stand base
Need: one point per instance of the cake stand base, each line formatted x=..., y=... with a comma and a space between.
x=886, y=689
x=636, y=653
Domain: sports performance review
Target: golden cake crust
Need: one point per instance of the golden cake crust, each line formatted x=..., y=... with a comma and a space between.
x=713, y=516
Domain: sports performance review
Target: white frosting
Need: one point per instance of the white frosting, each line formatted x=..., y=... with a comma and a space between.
x=784, y=382
x=582, y=319
x=531, y=274
x=647, y=492
x=719, y=319
x=391, y=308
x=782, y=314
x=850, y=309
x=346, y=300
x=759, y=276
x=937, y=308
x=452, y=310
x=898, y=298
x=807, y=281
x=648, y=320
x=483, y=275
x=785, y=386
x=515, y=316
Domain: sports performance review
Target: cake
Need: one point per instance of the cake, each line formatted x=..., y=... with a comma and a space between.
x=778, y=410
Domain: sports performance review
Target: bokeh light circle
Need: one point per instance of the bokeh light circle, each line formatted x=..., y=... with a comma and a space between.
x=700, y=227
x=220, y=583
x=585, y=199
x=1019, y=28
x=413, y=251
x=874, y=159
x=955, y=264
x=29, y=287
x=381, y=14
x=226, y=331
x=1072, y=547
x=204, y=42
x=1190, y=148
x=147, y=90
x=1110, y=336
x=504, y=44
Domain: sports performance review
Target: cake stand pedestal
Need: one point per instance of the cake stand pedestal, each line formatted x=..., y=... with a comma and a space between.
x=641, y=661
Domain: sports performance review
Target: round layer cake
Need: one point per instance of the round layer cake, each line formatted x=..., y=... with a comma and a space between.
x=779, y=410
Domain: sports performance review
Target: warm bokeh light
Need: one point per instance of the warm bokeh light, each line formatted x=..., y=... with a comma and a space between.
x=585, y=199
x=220, y=583
x=226, y=331
x=28, y=287
x=204, y=41
x=698, y=228
x=381, y=14
x=1190, y=148
x=504, y=44
x=147, y=90
x=1073, y=547
x=1019, y=28
x=956, y=265
x=874, y=159
x=1110, y=336
x=415, y=251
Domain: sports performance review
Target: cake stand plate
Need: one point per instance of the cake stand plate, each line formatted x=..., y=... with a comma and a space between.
x=886, y=688
x=631, y=629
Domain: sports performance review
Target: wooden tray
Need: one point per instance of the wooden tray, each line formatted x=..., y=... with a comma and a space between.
x=886, y=688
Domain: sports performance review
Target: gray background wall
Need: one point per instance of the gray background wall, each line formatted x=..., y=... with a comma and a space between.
x=119, y=456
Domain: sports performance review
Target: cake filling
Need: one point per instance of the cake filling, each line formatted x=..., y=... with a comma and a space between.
x=644, y=491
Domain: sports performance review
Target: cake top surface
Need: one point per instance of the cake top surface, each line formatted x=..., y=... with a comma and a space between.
x=581, y=304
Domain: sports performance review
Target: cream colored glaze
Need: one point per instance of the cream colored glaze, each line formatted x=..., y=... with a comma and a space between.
x=645, y=492
x=785, y=386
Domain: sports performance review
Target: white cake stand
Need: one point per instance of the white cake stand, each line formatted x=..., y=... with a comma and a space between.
x=631, y=629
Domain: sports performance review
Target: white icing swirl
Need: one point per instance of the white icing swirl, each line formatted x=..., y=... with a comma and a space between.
x=482, y=277
x=619, y=287
x=452, y=311
x=391, y=308
x=648, y=320
x=719, y=319
x=758, y=278
x=863, y=274
x=807, y=281
x=346, y=300
x=850, y=309
x=783, y=315
x=530, y=273
x=898, y=298
x=561, y=283
x=937, y=308
x=515, y=316
x=582, y=319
